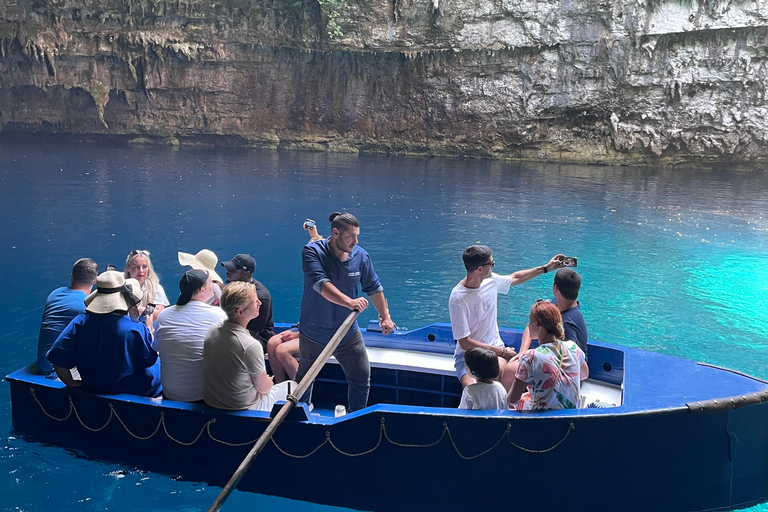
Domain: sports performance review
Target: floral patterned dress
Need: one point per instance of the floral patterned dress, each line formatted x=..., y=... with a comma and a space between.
x=551, y=372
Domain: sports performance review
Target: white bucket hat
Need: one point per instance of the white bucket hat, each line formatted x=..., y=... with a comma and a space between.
x=113, y=293
x=203, y=260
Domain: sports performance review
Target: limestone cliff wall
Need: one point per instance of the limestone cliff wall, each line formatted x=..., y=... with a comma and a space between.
x=611, y=81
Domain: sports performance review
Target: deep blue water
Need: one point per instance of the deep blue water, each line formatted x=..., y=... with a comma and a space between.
x=674, y=261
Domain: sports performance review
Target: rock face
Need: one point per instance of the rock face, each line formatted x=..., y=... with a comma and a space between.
x=609, y=81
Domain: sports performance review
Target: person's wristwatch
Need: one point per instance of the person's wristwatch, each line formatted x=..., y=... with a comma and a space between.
x=544, y=268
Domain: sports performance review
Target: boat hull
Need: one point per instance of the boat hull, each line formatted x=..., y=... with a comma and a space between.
x=408, y=458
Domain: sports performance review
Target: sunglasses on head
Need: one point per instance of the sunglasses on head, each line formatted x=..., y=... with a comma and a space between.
x=139, y=252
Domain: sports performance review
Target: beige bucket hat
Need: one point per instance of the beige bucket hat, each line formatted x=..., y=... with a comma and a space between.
x=113, y=293
x=203, y=260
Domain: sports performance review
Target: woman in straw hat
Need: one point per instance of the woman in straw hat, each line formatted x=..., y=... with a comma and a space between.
x=139, y=267
x=205, y=260
x=112, y=352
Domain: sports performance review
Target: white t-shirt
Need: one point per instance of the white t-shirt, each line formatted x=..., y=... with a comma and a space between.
x=481, y=395
x=473, y=311
x=160, y=298
x=179, y=335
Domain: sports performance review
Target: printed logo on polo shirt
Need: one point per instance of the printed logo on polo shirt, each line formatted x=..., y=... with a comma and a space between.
x=354, y=274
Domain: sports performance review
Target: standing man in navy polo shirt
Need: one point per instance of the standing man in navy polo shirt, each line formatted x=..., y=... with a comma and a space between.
x=333, y=271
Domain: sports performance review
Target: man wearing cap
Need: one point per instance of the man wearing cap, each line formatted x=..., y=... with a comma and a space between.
x=179, y=335
x=207, y=260
x=112, y=352
x=241, y=269
x=62, y=305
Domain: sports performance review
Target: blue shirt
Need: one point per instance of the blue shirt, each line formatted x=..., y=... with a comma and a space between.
x=61, y=306
x=575, y=327
x=320, y=318
x=112, y=353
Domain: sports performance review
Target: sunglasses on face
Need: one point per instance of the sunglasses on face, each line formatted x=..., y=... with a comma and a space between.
x=491, y=263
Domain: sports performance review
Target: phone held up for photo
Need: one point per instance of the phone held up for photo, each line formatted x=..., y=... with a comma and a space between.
x=569, y=261
x=309, y=223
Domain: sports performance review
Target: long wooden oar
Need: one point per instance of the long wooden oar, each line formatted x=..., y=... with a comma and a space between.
x=308, y=379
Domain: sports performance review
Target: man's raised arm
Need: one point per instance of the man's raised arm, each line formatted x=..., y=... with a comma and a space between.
x=522, y=276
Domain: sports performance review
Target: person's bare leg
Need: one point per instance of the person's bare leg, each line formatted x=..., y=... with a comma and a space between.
x=274, y=361
x=286, y=354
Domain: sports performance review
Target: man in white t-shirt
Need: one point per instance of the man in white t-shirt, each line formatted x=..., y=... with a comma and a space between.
x=179, y=335
x=473, y=306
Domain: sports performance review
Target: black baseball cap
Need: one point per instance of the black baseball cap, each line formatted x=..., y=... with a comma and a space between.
x=191, y=281
x=242, y=262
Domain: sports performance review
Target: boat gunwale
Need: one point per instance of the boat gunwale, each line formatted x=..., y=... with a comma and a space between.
x=25, y=376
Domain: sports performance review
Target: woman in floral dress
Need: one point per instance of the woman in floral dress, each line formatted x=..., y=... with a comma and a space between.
x=552, y=372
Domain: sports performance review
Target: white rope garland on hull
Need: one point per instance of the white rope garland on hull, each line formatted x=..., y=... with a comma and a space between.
x=383, y=435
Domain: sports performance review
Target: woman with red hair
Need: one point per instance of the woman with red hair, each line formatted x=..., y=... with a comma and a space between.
x=552, y=372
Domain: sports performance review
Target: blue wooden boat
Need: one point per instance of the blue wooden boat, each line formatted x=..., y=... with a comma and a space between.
x=656, y=433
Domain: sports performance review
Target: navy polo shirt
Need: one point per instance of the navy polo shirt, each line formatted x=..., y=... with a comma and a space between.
x=320, y=319
x=574, y=326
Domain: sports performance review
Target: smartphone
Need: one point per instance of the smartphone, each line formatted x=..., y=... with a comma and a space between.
x=149, y=310
x=111, y=267
x=569, y=261
x=309, y=224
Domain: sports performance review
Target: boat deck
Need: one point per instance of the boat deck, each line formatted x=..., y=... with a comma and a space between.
x=593, y=391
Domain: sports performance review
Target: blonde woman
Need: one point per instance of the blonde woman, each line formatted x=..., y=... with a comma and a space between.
x=235, y=375
x=139, y=267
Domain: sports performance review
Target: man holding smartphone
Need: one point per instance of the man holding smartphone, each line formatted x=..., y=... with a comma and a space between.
x=473, y=306
x=334, y=270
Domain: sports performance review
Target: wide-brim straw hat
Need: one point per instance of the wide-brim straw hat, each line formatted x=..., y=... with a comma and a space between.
x=113, y=293
x=203, y=260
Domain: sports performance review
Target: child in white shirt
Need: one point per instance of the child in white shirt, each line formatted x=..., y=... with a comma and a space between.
x=487, y=392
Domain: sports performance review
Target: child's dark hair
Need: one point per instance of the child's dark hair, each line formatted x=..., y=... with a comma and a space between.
x=482, y=363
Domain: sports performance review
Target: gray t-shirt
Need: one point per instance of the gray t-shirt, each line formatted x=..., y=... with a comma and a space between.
x=230, y=357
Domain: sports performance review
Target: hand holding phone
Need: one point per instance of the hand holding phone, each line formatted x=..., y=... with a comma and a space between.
x=149, y=310
x=569, y=261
